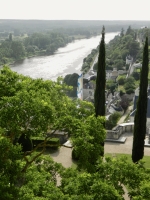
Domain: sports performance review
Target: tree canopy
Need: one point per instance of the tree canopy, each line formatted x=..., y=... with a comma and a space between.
x=34, y=107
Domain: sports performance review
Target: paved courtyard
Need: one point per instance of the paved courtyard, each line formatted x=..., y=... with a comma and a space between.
x=126, y=148
x=63, y=155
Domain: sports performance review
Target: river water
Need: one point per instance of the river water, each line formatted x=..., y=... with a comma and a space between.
x=66, y=60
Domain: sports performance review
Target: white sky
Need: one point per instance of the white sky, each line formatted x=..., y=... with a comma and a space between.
x=75, y=9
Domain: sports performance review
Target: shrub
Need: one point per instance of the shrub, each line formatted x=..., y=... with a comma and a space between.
x=74, y=155
x=124, y=103
x=121, y=80
x=53, y=143
x=130, y=90
x=25, y=142
x=121, y=93
x=136, y=75
x=112, y=121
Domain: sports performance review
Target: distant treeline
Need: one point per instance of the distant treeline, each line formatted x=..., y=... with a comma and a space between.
x=23, y=38
x=38, y=43
x=72, y=26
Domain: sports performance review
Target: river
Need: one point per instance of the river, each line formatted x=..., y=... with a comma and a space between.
x=66, y=60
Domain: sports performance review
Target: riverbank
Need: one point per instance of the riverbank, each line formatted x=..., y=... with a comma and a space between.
x=44, y=52
x=13, y=61
x=66, y=60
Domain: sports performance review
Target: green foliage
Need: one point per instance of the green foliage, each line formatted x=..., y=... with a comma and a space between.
x=10, y=168
x=37, y=42
x=25, y=142
x=119, y=64
x=88, y=61
x=127, y=67
x=74, y=155
x=112, y=121
x=141, y=111
x=130, y=90
x=124, y=103
x=71, y=80
x=129, y=85
x=136, y=75
x=53, y=143
x=11, y=49
x=49, y=41
x=121, y=46
x=35, y=107
x=111, y=85
x=121, y=93
x=18, y=50
x=99, y=95
x=121, y=80
x=87, y=142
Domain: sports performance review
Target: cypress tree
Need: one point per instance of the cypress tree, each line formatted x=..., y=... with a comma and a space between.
x=99, y=95
x=141, y=111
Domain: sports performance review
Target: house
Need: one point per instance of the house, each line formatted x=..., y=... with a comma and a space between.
x=135, y=103
x=114, y=74
x=89, y=83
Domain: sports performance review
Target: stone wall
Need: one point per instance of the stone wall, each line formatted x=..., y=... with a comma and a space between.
x=119, y=130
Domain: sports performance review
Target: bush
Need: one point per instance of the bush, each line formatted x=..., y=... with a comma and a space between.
x=53, y=143
x=74, y=155
x=112, y=121
x=25, y=142
x=136, y=75
x=130, y=90
x=121, y=80
x=127, y=67
x=121, y=93
x=124, y=103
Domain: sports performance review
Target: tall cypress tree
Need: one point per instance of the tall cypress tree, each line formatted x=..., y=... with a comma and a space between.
x=99, y=95
x=141, y=111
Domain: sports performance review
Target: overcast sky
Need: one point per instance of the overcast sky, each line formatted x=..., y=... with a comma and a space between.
x=75, y=9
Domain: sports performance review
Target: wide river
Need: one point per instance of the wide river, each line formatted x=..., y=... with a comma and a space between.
x=66, y=60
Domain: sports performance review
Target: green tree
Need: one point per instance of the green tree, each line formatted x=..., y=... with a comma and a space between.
x=136, y=75
x=71, y=79
x=121, y=80
x=10, y=168
x=122, y=32
x=87, y=140
x=112, y=121
x=37, y=107
x=99, y=96
x=10, y=37
x=141, y=111
x=129, y=85
x=18, y=50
